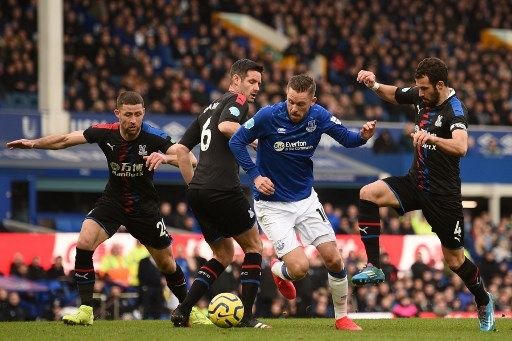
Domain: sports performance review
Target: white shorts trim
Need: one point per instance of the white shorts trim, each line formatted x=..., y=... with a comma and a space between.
x=284, y=222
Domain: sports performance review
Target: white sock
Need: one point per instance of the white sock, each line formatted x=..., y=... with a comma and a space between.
x=279, y=269
x=339, y=292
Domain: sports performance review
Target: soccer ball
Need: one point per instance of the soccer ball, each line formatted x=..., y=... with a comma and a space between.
x=226, y=310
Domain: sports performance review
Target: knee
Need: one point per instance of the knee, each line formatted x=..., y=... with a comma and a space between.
x=365, y=193
x=254, y=246
x=166, y=266
x=85, y=243
x=334, y=263
x=298, y=269
x=455, y=261
x=225, y=257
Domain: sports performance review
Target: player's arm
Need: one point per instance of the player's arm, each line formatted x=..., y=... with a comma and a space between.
x=384, y=91
x=53, y=142
x=184, y=161
x=345, y=137
x=456, y=146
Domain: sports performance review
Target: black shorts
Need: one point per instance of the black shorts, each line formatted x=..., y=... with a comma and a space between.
x=221, y=214
x=149, y=230
x=443, y=213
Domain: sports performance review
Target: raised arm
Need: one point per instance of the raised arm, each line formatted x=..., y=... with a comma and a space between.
x=386, y=92
x=50, y=142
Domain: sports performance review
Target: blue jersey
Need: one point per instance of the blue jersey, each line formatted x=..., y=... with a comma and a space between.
x=285, y=148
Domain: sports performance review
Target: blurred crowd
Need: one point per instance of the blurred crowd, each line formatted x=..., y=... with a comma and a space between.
x=173, y=52
x=129, y=285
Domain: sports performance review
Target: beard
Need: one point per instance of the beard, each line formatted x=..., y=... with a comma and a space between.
x=434, y=100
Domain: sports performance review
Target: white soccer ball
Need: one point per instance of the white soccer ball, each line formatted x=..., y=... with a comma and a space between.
x=226, y=310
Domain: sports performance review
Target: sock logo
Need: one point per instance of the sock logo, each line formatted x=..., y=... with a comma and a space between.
x=363, y=229
x=84, y=276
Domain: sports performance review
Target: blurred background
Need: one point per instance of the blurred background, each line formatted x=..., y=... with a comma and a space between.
x=63, y=63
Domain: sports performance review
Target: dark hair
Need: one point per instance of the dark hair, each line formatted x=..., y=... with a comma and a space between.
x=434, y=68
x=242, y=66
x=302, y=83
x=129, y=97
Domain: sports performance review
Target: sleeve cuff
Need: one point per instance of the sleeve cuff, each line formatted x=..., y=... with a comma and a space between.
x=253, y=173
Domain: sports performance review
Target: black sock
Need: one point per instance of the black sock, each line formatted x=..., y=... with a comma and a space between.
x=470, y=274
x=369, y=229
x=84, y=275
x=250, y=280
x=177, y=283
x=206, y=275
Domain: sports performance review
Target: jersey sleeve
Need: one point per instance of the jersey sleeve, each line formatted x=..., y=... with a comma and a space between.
x=459, y=119
x=235, y=109
x=407, y=95
x=94, y=134
x=192, y=136
x=249, y=132
x=335, y=129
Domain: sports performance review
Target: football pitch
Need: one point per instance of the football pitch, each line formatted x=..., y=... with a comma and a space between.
x=283, y=329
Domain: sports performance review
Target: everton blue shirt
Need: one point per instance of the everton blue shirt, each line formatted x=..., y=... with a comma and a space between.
x=285, y=148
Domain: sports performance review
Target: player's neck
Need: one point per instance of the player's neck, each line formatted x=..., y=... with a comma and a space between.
x=443, y=95
x=128, y=137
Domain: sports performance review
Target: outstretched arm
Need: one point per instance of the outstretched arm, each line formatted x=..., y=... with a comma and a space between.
x=386, y=92
x=154, y=160
x=50, y=142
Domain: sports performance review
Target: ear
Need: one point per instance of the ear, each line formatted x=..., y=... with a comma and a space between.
x=236, y=80
x=313, y=100
x=440, y=85
x=117, y=112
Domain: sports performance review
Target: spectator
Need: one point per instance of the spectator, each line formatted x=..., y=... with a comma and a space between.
x=384, y=143
x=35, y=270
x=56, y=270
x=13, y=310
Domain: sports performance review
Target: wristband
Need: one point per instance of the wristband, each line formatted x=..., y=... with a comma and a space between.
x=375, y=86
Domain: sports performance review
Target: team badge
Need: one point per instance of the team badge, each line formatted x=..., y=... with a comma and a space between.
x=142, y=150
x=249, y=124
x=281, y=130
x=279, y=245
x=115, y=167
x=234, y=111
x=438, y=121
x=311, y=126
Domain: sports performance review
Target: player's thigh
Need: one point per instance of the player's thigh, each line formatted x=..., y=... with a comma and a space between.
x=399, y=192
x=101, y=223
x=250, y=240
x=150, y=230
x=446, y=218
x=312, y=224
x=379, y=193
x=221, y=213
x=91, y=235
x=277, y=220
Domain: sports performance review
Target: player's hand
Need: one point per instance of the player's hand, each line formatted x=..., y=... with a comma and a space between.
x=20, y=144
x=366, y=77
x=154, y=160
x=254, y=144
x=421, y=137
x=368, y=129
x=264, y=185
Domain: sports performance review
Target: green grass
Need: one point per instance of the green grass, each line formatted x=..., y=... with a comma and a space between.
x=283, y=329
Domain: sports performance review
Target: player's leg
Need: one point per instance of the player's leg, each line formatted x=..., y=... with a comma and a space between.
x=397, y=192
x=315, y=229
x=470, y=274
x=223, y=252
x=277, y=220
x=447, y=221
x=338, y=282
x=91, y=235
x=172, y=272
x=250, y=276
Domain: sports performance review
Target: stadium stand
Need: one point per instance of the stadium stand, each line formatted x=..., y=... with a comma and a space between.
x=171, y=52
